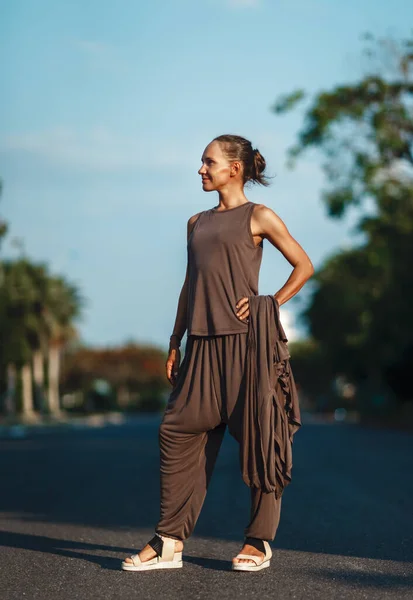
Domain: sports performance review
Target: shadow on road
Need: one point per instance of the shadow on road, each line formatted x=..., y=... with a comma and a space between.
x=59, y=547
x=364, y=580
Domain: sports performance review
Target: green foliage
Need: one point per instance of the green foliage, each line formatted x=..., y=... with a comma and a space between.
x=288, y=101
x=365, y=131
x=35, y=309
x=360, y=312
x=311, y=365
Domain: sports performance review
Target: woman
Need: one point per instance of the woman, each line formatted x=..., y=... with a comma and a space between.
x=225, y=245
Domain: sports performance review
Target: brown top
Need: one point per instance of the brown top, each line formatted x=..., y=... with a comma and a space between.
x=223, y=267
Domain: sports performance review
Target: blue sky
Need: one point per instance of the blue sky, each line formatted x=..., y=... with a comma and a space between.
x=107, y=108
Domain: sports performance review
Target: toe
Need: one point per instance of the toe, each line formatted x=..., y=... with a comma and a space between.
x=243, y=560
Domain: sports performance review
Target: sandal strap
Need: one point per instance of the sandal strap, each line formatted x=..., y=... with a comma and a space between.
x=156, y=543
x=135, y=559
x=163, y=546
x=168, y=549
x=261, y=545
x=256, y=543
x=268, y=551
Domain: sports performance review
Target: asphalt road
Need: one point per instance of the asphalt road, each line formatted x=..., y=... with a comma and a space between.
x=73, y=504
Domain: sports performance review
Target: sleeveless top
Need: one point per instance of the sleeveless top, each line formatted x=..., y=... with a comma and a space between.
x=223, y=267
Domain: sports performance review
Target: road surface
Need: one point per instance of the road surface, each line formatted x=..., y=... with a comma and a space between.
x=73, y=504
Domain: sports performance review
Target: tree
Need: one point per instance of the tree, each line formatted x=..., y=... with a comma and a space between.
x=36, y=318
x=63, y=304
x=3, y=225
x=364, y=130
x=19, y=322
x=361, y=306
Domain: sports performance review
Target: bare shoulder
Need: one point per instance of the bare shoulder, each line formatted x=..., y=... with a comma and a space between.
x=191, y=221
x=267, y=219
x=263, y=211
x=266, y=214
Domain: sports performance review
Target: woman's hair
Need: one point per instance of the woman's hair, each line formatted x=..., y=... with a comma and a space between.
x=236, y=147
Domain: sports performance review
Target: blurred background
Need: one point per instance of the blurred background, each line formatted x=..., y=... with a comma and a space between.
x=106, y=110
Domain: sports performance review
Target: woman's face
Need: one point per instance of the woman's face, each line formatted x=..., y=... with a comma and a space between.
x=216, y=171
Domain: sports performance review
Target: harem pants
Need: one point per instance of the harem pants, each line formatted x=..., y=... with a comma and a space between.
x=206, y=398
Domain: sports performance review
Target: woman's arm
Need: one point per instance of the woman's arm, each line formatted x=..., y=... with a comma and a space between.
x=182, y=310
x=266, y=224
x=181, y=316
x=275, y=231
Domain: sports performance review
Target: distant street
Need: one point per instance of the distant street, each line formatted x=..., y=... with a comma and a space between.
x=73, y=504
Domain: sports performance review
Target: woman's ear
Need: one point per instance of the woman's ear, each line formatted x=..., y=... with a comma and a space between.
x=235, y=168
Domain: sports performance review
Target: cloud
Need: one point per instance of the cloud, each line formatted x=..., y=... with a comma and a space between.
x=96, y=49
x=100, y=55
x=242, y=3
x=97, y=149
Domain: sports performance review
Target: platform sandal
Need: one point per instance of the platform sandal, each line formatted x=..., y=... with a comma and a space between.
x=260, y=563
x=166, y=557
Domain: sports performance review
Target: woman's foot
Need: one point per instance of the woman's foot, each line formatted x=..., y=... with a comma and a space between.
x=248, y=549
x=148, y=552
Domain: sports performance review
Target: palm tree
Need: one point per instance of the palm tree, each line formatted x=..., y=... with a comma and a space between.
x=40, y=279
x=36, y=318
x=18, y=328
x=63, y=306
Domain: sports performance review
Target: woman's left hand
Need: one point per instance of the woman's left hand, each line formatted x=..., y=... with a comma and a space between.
x=243, y=309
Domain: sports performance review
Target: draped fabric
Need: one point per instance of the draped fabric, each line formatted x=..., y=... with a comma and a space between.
x=271, y=412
